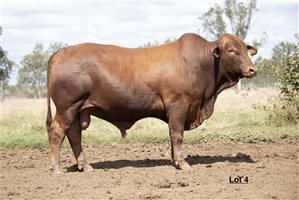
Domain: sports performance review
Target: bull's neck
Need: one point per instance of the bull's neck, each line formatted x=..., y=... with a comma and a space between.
x=216, y=71
x=224, y=80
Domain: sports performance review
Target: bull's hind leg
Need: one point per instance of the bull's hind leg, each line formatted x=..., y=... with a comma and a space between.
x=56, y=137
x=74, y=136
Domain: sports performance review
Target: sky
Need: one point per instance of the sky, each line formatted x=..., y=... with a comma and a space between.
x=129, y=23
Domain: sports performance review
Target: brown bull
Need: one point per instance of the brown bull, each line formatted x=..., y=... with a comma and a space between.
x=176, y=82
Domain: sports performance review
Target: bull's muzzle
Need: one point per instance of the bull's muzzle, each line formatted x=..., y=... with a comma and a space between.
x=250, y=72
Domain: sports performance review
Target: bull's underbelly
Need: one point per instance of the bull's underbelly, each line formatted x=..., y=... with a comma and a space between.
x=123, y=111
x=125, y=114
x=124, y=118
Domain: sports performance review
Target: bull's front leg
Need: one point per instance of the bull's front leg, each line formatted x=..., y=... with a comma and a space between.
x=176, y=122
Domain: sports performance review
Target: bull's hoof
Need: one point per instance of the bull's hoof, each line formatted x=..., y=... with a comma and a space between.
x=183, y=165
x=55, y=170
x=85, y=168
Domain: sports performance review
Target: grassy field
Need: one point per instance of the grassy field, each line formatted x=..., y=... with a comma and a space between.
x=235, y=118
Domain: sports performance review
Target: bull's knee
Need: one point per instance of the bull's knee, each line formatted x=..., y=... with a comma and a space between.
x=84, y=119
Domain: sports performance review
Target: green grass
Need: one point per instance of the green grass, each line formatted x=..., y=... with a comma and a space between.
x=241, y=125
x=246, y=125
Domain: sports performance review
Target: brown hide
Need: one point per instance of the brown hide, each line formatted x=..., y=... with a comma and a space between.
x=122, y=85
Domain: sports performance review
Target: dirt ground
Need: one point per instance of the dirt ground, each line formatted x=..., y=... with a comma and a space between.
x=144, y=171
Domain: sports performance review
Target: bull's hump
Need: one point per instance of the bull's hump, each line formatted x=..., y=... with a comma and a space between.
x=191, y=37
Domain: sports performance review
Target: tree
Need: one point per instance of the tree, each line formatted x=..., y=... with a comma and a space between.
x=285, y=66
x=32, y=73
x=6, y=66
x=213, y=22
x=237, y=14
x=280, y=68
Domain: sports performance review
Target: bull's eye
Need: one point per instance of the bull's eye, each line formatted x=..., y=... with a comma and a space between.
x=233, y=51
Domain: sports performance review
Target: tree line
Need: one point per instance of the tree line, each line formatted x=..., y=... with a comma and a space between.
x=234, y=17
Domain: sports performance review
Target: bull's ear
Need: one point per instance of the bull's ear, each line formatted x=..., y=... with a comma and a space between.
x=216, y=52
x=251, y=50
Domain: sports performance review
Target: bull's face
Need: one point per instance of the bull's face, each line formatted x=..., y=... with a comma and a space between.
x=235, y=55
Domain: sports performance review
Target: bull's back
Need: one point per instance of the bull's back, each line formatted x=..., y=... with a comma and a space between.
x=120, y=62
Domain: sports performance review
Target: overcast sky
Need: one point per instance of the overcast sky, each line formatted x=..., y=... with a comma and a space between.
x=127, y=23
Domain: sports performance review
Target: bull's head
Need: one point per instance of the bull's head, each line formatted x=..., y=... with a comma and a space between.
x=234, y=56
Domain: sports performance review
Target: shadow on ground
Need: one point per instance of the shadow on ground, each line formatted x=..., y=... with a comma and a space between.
x=146, y=163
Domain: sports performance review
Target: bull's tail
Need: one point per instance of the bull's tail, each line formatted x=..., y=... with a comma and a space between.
x=49, y=113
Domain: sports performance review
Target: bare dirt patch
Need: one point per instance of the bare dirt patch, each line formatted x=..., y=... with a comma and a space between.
x=144, y=171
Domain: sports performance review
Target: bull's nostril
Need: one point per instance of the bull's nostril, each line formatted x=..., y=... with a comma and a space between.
x=252, y=70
